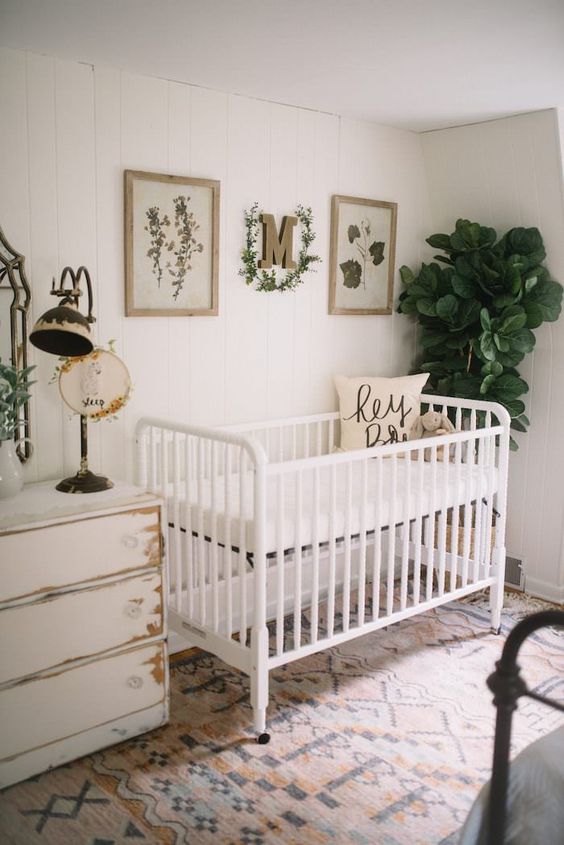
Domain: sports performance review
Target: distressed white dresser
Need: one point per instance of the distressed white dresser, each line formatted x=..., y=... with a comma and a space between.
x=83, y=655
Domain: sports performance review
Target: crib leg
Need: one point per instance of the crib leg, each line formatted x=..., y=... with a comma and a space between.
x=497, y=589
x=259, y=683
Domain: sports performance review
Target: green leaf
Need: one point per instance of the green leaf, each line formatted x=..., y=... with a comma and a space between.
x=547, y=295
x=501, y=342
x=464, y=287
x=486, y=384
x=530, y=282
x=493, y=368
x=487, y=346
x=513, y=322
x=522, y=341
x=513, y=445
x=503, y=300
x=510, y=387
x=468, y=312
x=352, y=273
x=525, y=241
x=427, y=307
x=431, y=338
x=515, y=407
x=485, y=319
x=353, y=232
x=439, y=242
x=534, y=314
x=406, y=274
x=447, y=307
x=518, y=425
x=376, y=250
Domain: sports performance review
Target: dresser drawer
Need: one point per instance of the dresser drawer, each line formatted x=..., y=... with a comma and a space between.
x=63, y=704
x=41, y=559
x=80, y=624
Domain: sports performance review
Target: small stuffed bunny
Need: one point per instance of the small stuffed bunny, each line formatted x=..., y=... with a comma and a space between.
x=430, y=424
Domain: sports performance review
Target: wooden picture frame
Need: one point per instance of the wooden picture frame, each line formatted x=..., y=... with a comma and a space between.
x=362, y=258
x=171, y=245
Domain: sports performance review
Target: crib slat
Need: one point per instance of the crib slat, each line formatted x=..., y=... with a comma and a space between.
x=418, y=529
x=200, y=469
x=362, y=550
x=188, y=539
x=213, y=538
x=242, y=548
x=442, y=538
x=227, y=566
x=176, y=521
x=331, y=436
x=392, y=537
x=332, y=550
x=347, y=549
x=298, y=562
x=153, y=461
x=431, y=527
x=377, y=551
x=315, y=557
x=455, y=516
x=489, y=508
x=478, y=511
x=280, y=565
x=467, y=512
x=406, y=463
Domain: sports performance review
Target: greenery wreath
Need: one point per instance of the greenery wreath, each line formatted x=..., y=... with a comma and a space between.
x=268, y=281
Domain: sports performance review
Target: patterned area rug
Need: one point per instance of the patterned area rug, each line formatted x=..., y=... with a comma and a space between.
x=385, y=740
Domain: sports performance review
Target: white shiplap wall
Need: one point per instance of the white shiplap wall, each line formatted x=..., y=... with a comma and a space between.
x=508, y=173
x=73, y=129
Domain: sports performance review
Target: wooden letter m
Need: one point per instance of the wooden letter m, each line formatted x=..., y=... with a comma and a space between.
x=277, y=250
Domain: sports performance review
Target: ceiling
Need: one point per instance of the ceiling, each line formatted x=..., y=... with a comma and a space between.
x=414, y=64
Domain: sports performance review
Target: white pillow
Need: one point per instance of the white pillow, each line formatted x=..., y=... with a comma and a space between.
x=376, y=411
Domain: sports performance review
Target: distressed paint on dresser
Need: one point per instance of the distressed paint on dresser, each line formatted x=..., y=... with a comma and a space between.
x=82, y=623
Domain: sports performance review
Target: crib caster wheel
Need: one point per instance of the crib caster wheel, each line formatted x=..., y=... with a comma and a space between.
x=263, y=739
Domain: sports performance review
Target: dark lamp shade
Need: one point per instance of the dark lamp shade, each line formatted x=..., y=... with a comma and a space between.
x=62, y=331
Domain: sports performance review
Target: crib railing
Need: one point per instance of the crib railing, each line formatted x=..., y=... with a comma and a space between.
x=267, y=523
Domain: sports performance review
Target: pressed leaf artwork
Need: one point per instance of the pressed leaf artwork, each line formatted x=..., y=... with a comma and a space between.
x=363, y=233
x=171, y=245
x=354, y=273
x=185, y=227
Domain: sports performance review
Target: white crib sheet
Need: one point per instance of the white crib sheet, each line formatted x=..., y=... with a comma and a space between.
x=469, y=485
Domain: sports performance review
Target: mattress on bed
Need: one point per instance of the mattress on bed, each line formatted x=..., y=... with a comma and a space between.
x=463, y=483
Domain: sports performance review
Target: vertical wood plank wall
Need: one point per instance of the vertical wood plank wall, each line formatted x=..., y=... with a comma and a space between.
x=69, y=132
x=508, y=173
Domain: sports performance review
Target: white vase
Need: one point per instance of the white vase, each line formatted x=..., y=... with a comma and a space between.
x=11, y=476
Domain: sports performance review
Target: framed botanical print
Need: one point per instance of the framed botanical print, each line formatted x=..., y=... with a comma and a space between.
x=363, y=245
x=171, y=245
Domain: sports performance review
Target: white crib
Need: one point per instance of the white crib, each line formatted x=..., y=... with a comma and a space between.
x=280, y=546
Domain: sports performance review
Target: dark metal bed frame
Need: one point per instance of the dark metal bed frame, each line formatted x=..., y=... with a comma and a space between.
x=508, y=686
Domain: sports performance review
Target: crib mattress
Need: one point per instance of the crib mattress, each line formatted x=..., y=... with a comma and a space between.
x=439, y=488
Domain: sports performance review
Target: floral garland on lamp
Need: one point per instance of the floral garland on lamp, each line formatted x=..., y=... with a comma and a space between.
x=268, y=281
x=109, y=413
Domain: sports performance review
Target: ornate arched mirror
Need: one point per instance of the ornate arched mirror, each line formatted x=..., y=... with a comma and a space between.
x=15, y=298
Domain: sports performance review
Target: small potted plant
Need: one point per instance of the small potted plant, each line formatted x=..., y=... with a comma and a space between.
x=14, y=392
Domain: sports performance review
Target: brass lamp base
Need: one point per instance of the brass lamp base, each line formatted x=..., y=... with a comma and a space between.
x=84, y=482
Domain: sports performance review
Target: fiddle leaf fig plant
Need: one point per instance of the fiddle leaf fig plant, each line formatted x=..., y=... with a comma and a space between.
x=477, y=306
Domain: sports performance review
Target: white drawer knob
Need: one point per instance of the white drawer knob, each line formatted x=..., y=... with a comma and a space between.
x=133, y=610
x=135, y=682
x=130, y=541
